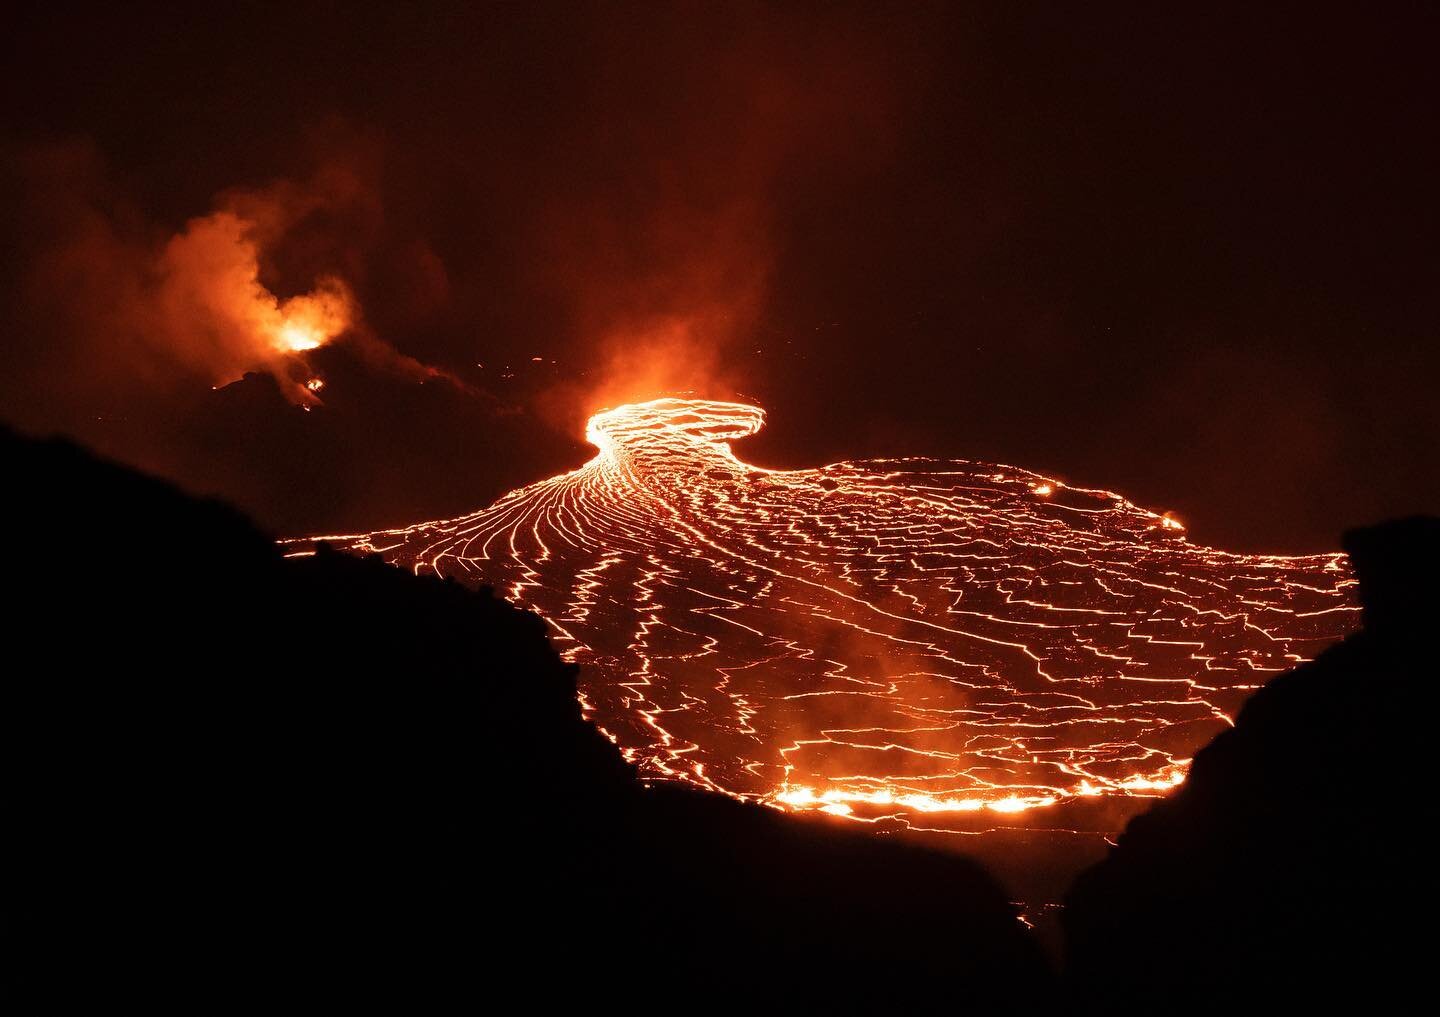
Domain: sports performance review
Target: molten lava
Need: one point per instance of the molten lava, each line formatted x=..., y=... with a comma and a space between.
x=911, y=639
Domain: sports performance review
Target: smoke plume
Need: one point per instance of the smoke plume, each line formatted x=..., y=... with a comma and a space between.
x=116, y=306
x=208, y=309
x=664, y=257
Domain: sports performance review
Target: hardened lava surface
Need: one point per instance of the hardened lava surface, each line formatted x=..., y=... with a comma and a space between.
x=916, y=641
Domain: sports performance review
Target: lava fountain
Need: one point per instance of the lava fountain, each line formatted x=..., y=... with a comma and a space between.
x=907, y=640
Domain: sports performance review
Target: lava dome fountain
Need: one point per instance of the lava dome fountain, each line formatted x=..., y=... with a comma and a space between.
x=926, y=643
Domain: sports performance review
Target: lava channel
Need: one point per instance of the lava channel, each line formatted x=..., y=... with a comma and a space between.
x=928, y=643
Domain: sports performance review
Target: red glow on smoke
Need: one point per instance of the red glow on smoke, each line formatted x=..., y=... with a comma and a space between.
x=217, y=316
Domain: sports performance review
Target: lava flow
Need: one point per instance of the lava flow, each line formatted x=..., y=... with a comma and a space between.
x=904, y=639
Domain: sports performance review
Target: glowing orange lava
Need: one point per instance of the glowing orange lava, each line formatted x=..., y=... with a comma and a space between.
x=905, y=639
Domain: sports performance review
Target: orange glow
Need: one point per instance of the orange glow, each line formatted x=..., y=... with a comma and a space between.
x=295, y=338
x=310, y=321
x=1175, y=779
x=221, y=320
x=922, y=641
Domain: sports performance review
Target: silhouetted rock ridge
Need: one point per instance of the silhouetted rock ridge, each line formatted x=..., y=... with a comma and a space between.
x=1292, y=868
x=243, y=782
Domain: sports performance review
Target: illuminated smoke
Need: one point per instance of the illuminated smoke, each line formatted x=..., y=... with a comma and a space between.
x=211, y=311
x=665, y=314
x=662, y=261
x=913, y=638
x=115, y=311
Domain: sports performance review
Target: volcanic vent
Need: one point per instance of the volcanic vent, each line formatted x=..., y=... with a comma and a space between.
x=887, y=638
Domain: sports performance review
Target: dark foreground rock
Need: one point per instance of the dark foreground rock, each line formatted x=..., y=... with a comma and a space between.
x=1295, y=867
x=237, y=781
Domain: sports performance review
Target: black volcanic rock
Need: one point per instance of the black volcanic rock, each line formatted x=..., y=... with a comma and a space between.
x=243, y=782
x=1398, y=566
x=380, y=448
x=1291, y=869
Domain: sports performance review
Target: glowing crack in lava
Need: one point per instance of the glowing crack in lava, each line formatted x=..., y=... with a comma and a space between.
x=909, y=639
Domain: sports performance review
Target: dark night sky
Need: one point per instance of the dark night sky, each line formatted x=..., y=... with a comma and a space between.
x=1187, y=253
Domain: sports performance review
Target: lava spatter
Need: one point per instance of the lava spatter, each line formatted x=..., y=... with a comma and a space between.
x=917, y=639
